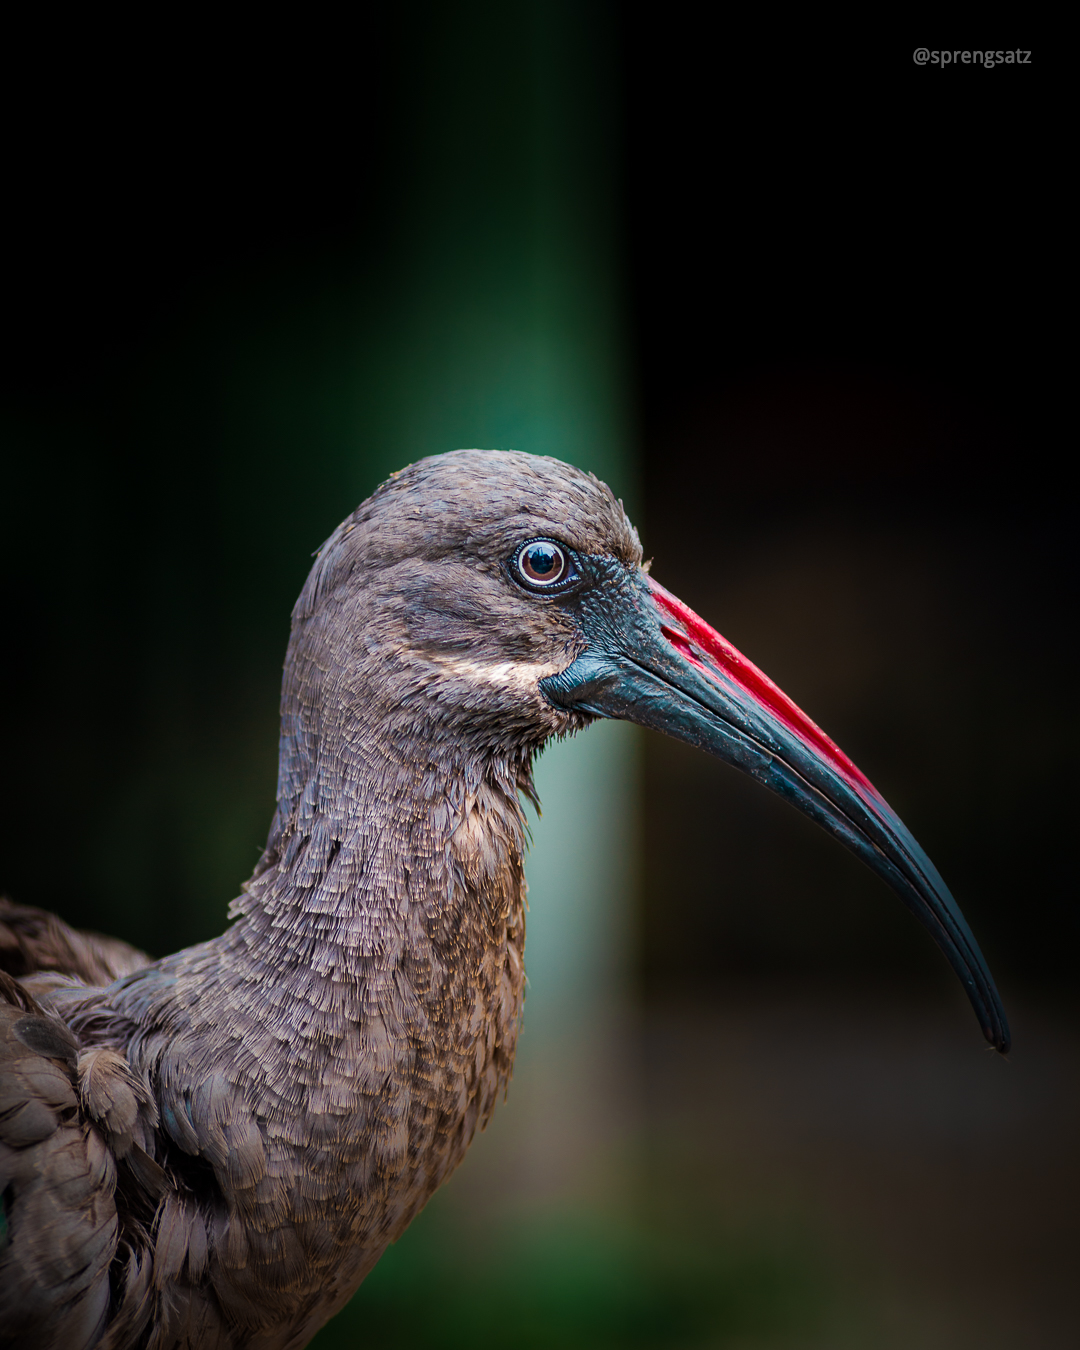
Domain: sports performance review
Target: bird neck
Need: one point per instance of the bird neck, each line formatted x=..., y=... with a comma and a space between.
x=375, y=967
x=397, y=891
x=336, y=1049
x=389, y=828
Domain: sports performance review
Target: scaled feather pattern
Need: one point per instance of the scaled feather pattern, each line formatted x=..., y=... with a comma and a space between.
x=214, y=1149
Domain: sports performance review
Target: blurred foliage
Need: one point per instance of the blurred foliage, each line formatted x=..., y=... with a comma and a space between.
x=581, y=1280
x=218, y=366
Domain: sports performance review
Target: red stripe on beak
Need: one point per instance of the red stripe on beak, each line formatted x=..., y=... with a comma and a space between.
x=713, y=654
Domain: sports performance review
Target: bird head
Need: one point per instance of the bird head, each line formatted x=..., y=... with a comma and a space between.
x=435, y=610
x=481, y=602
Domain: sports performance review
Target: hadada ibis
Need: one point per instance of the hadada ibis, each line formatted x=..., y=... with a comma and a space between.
x=214, y=1149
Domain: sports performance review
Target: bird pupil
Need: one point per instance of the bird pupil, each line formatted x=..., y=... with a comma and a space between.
x=542, y=563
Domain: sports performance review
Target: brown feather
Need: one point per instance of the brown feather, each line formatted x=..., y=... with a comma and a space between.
x=214, y=1149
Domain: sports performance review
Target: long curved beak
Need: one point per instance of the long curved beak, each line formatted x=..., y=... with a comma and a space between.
x=650, y=659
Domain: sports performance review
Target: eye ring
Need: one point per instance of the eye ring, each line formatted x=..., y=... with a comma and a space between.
x=543, y=564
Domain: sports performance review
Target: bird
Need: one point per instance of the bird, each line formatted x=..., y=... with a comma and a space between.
x=214, y=1149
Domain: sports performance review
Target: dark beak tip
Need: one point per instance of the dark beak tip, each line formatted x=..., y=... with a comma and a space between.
x=739, y=705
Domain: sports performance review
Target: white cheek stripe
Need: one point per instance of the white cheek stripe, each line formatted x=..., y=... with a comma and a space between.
x=522, y=676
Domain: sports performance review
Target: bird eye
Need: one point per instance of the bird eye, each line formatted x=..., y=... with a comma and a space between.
x=542, y=563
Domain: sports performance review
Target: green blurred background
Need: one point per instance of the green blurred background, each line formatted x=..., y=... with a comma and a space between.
x=790, y=308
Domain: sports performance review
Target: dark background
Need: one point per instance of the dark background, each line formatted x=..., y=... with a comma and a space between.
x=856, y=457
x=842, y=282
